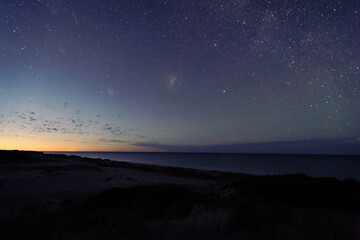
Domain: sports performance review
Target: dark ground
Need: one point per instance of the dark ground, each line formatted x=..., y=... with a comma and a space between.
x=245, y=207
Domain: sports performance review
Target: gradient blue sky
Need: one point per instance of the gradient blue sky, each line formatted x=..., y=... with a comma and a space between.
x=179, y=75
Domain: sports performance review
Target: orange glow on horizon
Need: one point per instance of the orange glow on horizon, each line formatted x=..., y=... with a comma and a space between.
x=46, y=145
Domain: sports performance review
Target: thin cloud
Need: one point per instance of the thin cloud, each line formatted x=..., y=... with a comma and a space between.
x=111, y=141
x=348, y=146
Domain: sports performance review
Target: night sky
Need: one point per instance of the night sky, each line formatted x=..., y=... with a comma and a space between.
x=111, y=75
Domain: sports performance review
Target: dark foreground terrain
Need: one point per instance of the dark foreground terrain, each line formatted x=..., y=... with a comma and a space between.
x=67, y=197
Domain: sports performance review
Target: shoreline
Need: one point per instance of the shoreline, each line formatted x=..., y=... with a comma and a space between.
x=337, y=166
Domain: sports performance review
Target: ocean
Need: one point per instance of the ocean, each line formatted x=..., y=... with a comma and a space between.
x=338, y=166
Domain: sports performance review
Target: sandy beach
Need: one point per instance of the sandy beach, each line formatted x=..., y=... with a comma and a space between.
x=39, y=178
x=67, y=197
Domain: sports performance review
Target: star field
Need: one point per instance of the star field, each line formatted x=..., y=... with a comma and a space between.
x=145, y=75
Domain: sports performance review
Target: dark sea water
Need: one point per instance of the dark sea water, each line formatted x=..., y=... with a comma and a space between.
x=340, y=167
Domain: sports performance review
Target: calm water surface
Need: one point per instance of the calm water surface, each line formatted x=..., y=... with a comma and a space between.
x=340, y=167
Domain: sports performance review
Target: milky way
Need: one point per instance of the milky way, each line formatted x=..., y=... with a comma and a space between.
x=161, y=74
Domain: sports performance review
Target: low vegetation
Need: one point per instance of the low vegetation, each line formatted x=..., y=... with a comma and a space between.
x=259, y=208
